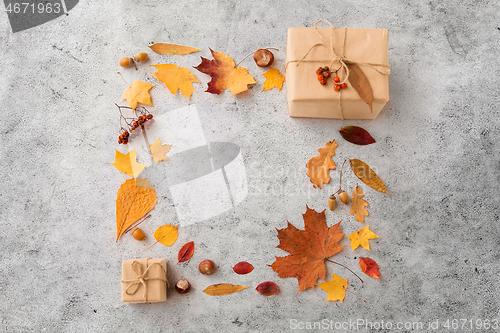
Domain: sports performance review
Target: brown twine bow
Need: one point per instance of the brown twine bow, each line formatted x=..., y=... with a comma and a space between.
x=141, y=278
x=338, y=58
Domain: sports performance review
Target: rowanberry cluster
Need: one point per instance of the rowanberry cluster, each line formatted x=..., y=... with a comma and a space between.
x=323, y=74
x=143, y=121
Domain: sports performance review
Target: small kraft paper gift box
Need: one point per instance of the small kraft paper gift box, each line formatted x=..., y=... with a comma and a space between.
x=358, y=57
x=144, y=280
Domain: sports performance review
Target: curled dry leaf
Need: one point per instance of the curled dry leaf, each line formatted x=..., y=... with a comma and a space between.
x=274, y=79
x=127, y=163
x=361, y=84
x=318, y=167
x=308, y=249
x=186, y=252
x=158, y=151
x=267, y=288
x=335, y=288
x=242, y=268
x=134, y=199
x=225, y=74
x=176, y=78
x=358, y=205
x=369, y=267
x=222, y=289
x=166, y=234
x=164, y=48
x=356, y=135
x=367, y=175
x=138, y=93
x=362, y=237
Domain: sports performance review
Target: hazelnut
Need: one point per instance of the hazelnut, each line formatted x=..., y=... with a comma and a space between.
x=206, y=267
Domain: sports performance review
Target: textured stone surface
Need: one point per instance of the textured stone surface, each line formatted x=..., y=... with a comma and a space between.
x=437, y=151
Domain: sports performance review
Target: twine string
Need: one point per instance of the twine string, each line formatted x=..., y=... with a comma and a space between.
x=142, y=278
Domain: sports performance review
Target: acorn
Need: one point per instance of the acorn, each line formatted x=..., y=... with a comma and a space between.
x=332, y=202
x=263, y=57
x=344, y=197
x=137, y=234
x=126, y=62
x=141, y=57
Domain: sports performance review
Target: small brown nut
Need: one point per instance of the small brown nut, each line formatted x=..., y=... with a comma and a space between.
x=182, y=286
x=332, y=202
x=263, y=57
x=141, y=57
x=206, y=267
x=126, y=62
x=137, y=234
x=344, y=197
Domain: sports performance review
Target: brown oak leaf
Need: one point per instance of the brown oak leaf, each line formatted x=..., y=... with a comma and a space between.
x=358, y=205
x=319, y=166
x=308, y=249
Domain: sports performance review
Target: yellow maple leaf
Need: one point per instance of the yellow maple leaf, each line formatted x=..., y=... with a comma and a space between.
x=176, y=78
x=274, y=79
x=127, y=163
x=158, y=151
x=225, y=74
x=319, y=166
x=335, y=288
x=358, y=205
x=362, y=237
x=134, y=199
x=166, y=234
x=138, y=92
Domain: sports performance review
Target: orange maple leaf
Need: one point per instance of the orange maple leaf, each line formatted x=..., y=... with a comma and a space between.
x=127, y=163
x=176, y=78
x=319, y=166
x=274, y=79
x=358, y=205
x=138, y=92
x=158, y=151
x=225, y=74
x=335, y=288
x=308, y=249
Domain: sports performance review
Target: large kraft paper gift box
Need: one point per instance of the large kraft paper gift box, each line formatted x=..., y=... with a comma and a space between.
x=144, y=280
x=311, y=48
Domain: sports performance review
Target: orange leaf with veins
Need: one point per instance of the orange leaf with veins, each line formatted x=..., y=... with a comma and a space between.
x=225, y=74
x=308, y=249
x=319, y=166
x=176, y=78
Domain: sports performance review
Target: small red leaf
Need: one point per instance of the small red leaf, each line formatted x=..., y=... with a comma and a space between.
x=267, y=288
x=369, y=267
x=186, y=252
x=242, y=268
x=356, y=135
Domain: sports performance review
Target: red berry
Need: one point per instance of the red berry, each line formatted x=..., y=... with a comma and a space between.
x=140, y=122
x=135, y=124
x=323, y=82
x=337, y=87
x=326, y=68
x=336, y=79
x=327, y=74
x=150, y=116
x=344, y=85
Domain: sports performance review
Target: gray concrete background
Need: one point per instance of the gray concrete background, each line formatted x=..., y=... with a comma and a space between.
x=437, y=151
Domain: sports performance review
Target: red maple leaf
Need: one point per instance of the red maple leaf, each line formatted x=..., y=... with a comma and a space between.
x=308, y=249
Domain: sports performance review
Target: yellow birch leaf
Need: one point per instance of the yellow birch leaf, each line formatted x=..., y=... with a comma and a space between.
x=134, y=199
x=138, y=93
x=128, y=163
x=164, y=48
x=166, y=234
x=319, y=166
x=358, y=205
x=158, y=151
x=335, y=288
x=176, y=78
x=223, y=289
x=274, y=79
x=367, y=175
x=362, y=237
